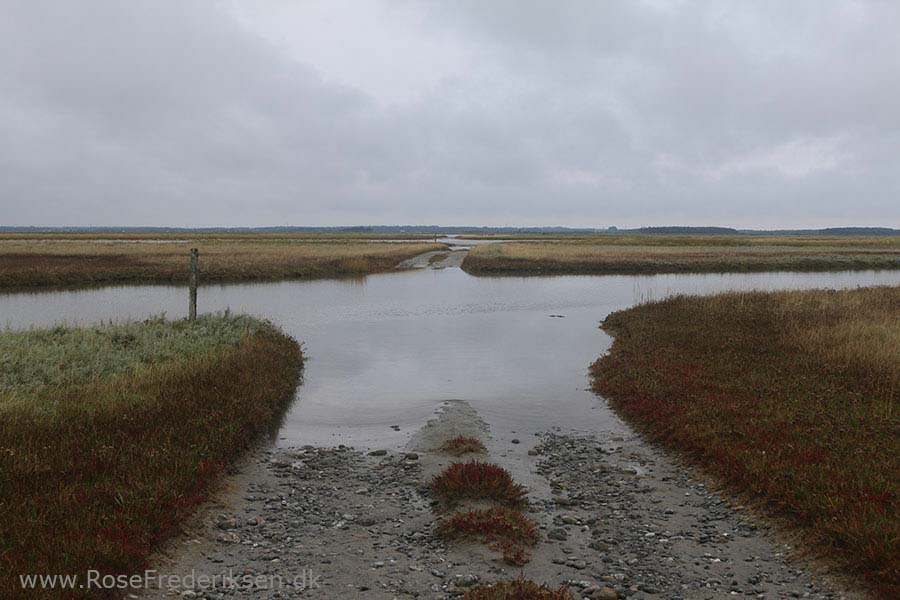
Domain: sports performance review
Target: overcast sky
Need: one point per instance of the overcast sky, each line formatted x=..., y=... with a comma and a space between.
x=482, y=112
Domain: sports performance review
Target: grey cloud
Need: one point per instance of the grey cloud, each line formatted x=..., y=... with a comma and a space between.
x=577, y=113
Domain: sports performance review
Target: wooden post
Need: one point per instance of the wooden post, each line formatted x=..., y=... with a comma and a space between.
x=192, y=311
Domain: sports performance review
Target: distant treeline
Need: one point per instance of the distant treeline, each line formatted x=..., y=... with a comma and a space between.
x=373, y=229
x=850, y=231
x=441, y=230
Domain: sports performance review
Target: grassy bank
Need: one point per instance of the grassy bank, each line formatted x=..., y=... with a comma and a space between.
x=64, y=260
x=111, y=435
x=635, y=254
x=791, y=398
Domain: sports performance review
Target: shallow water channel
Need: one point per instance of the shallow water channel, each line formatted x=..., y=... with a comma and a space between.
x=387, y=350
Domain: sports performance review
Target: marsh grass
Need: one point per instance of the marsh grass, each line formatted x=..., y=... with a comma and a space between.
x=790, y=397
x=176, y=236
x=517, y=589
x=504, y=529
x=631, y=254
x=120, y=431
x=462, y=444
x=65, y=356
x=66, y=261
x=503, y=525
x=476, y=480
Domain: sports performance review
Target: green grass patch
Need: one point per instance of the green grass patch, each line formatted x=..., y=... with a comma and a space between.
x=72, y=356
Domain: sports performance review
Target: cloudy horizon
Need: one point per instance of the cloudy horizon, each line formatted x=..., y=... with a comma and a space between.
x=635, y=113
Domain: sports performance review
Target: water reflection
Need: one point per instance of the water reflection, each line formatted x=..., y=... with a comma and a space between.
x=389, y=349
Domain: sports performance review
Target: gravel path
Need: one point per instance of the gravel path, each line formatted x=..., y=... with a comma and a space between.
x=618, y=519
x=440, y=259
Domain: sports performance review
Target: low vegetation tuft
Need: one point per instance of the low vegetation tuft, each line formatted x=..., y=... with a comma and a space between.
x=789, y=397
x=504, y=529
x=519, y=589
x=116, y=433
x=475, y=480
x=462, y=444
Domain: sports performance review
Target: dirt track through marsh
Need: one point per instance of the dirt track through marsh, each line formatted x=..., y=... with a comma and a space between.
x=615, y=516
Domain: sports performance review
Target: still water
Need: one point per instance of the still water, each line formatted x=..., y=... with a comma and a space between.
x=387, y=350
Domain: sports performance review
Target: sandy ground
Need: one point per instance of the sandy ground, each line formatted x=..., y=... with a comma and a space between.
x=617, y=518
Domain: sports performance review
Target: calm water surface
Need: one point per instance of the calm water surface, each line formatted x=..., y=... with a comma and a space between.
x=389, y=349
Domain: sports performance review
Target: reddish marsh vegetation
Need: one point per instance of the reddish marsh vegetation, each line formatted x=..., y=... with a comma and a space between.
x=791, y=398
x=503, y=526
x=110, y=436
x=475, y=480
x=462, y=444
x=504, y=529
x=519, y=589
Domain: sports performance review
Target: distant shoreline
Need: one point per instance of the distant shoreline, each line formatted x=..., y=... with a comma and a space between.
x=425, y=230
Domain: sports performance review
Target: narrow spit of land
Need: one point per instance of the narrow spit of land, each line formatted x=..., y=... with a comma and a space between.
x=616, y=519
x=639, y=254
x=66, y=260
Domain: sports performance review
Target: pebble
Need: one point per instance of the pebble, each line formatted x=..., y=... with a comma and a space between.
x=368, y=526
x=601, y=593
x=558, y=534
x=632, y=506
x=467, y=580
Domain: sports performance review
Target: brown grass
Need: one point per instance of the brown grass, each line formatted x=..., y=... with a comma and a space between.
x=476, y=480
x=504, y=529
x=633, y=254
x=98, y=471
x=462, y=444
x=66, y=261
x=107, y=236
x=790, y=397
x=519, y=589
